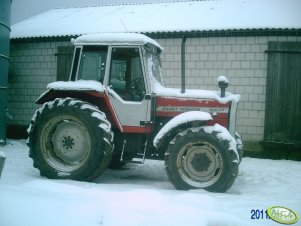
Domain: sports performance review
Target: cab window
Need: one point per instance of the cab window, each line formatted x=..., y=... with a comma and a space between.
x=93, y=63
x=126, y=75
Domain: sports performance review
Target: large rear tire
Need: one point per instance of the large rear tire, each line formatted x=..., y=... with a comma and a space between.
x=70, y=139
x=197, y=159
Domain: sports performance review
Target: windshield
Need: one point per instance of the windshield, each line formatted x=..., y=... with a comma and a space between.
x=154, y=66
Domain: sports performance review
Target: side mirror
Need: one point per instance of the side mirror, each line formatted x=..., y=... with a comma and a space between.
x=222, y=84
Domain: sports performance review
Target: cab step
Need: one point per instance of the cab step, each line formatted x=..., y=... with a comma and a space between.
x=139, y=158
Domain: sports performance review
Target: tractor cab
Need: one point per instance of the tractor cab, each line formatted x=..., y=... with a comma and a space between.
x=121, y=63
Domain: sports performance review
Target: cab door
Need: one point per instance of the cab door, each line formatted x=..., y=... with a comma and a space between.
x=127, y=89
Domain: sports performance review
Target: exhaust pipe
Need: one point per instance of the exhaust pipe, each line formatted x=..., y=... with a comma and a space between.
x=183, y=64
x=223, y=83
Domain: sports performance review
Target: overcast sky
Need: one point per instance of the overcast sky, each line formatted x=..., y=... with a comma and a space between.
x=24, y=9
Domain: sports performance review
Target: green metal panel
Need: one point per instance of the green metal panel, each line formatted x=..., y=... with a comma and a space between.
x=4, y=61
x=283, y=99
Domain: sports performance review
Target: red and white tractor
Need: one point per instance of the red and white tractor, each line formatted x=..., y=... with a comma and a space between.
x=116, y=110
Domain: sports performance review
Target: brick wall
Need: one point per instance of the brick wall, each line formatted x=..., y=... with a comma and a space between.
x=242, y=59
x=32, y=67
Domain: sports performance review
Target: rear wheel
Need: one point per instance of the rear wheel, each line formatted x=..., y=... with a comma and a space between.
x=197, y=159
x=70, y=139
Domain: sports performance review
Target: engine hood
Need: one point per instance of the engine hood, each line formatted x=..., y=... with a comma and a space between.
x=161, y=91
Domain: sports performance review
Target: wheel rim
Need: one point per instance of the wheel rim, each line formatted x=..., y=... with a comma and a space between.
x=66, y=143
x=199, y=164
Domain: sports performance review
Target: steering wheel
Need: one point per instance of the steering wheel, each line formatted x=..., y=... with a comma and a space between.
x=136, y=83
x=136, y=89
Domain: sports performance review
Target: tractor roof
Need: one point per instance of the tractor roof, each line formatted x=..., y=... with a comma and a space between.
x=115, y=39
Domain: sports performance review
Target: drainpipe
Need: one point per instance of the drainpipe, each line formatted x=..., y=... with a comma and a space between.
x=4, y=61
x=183, y=64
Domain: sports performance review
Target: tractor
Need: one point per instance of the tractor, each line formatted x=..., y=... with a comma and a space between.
x=115, y=110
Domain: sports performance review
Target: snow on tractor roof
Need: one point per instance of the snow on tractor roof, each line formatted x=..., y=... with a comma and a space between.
x=115, y=39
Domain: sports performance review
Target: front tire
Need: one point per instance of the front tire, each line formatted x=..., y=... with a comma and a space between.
x=197, y=159
x=70, y=139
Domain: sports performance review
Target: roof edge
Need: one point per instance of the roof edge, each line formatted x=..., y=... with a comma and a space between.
x=188, y=34
x=227, y=33
x=131, y=4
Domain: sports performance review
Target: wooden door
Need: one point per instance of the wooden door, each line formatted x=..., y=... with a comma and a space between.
x=283, y=98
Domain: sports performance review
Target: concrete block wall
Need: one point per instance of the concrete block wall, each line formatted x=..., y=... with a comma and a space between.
x=242, y=59
x=32, y=67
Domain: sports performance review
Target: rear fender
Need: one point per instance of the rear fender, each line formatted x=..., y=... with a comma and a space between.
x=51, y=94
x=179, y=123
x=97, y=98
x=82, y=89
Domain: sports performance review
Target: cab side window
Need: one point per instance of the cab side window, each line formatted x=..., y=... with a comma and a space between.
x=126, y=75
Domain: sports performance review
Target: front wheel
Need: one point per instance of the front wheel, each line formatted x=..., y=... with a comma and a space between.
x=200, y=157
x=70, y=139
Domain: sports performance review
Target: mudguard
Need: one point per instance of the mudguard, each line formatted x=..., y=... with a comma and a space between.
x=183, y=120
x=83, y=90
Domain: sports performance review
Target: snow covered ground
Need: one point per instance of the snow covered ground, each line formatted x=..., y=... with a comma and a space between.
x=142, y=195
